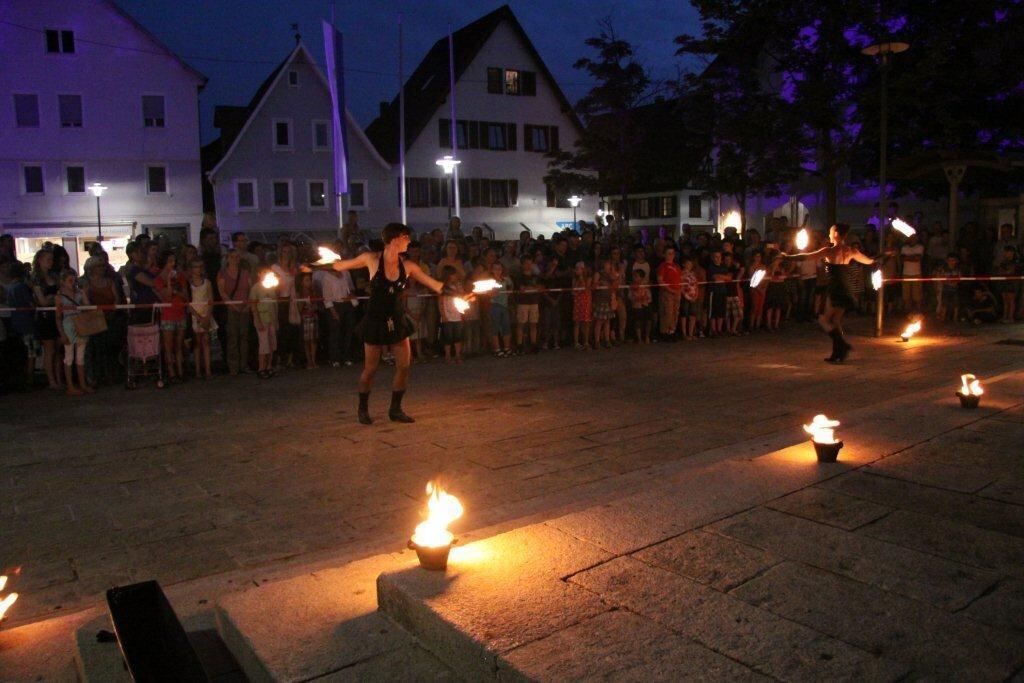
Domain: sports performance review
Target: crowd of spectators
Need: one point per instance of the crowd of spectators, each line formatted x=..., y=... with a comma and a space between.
x=594, y=289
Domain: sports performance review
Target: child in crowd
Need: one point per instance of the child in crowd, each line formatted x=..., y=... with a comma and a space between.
x=201, y=310
x=69, y=298
x=170, y=285
x=551, y=306
x=604, y=307
x=501, y=323
x=982, y=306
x=451, y=317
x=949, y=290
x=471, y=325
x=690, y=299
x=640, y=306
x=775, y=298
x=718, y=274
x=733, y=300
x=582, y=305
x=305, y=295
x=263, y=303
x=527, y=304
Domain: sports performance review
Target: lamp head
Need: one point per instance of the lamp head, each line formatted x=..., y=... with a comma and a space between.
x=575, y=200
x=448, y=163
x=97, y=189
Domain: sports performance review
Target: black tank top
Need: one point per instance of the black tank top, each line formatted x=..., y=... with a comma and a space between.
x=385, y=295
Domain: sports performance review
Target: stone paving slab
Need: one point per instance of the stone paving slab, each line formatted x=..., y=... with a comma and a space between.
x=708, y=558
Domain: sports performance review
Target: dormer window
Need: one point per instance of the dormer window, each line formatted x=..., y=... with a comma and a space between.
x=511, y=82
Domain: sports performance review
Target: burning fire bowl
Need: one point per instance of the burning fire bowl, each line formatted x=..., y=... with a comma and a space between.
x=969, y=401
x=433, y=558
x=827, y=452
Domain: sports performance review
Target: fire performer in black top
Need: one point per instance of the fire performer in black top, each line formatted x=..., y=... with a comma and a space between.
x=384, y=323
x=838, y=259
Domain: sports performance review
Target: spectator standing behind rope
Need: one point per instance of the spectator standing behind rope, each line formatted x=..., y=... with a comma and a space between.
x=234, y=283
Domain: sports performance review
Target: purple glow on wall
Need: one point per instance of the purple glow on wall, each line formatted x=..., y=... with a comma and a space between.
x=807, y=38
x=895, y=24
x=855, y=38
x=1000, y=15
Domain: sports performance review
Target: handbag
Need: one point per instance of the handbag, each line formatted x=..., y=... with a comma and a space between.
x=88, y=323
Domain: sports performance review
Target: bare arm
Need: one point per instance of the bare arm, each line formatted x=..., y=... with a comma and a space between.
x=364, y=260
x=416, y=273
x=805, y=254
x=861, y=258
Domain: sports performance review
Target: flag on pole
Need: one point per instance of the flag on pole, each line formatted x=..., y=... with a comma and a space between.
x=336, y=79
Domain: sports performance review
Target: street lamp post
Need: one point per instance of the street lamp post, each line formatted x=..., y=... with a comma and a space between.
x=883, y=51
x=97, y=189
x=574, y=201
x=448, y=163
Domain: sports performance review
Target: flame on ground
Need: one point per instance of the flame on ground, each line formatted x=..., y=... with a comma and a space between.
x=822, y=429
x=911, y=329
x=970, y=385
x=5, y=603
x=442, y=509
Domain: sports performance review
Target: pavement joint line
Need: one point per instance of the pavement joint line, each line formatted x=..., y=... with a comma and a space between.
x=985, y=593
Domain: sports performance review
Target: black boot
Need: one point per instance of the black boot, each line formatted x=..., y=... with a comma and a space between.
x=844, y=347
x=396, y=414
x=364, y=408
x=836, y=347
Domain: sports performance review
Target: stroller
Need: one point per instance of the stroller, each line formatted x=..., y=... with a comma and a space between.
x=144, y=359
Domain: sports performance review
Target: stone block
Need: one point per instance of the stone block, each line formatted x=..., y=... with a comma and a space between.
x=99, y=662
x=408, y=663
x=756, y=638
x=1002, y=607
x=826, y=507
x=963, y=478
x=932, y=641
x=723, y=563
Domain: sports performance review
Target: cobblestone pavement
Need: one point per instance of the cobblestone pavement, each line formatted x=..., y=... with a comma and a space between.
x=233, y=474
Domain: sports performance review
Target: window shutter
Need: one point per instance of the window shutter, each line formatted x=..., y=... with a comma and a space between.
x=67, y=41
x=444, y=131
x=478, y=197
x=52, y=40
x=511, y=137
x=465, y=195
x=474, y=134
x=553, y=139
x=513, y=192
x=495, y=81
x=529, y=83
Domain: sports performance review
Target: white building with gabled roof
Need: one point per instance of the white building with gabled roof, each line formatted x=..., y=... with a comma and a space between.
x=271, y=168
x=89, y=95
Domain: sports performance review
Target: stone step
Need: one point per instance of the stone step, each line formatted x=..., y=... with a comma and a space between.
x=325, y=626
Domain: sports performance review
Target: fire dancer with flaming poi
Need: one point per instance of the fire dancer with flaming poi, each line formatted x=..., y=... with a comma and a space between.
x=838, y=257
x=384, y=324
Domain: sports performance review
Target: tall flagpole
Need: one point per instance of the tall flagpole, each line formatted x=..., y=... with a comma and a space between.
x=401, y=124
x=339, y=197
x=455, y=140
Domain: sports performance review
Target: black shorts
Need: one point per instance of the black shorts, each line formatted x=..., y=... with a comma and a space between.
x=451, y=332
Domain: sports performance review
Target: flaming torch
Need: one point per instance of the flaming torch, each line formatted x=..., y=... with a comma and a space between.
x=5, y=603
x=802, y=239
x=822, y=431
x=970, y=391
x=757, y=277
x=327, y=257
x=484, y=286
x=432, y=541
x=911, y=329
x=902, y=227
x=269, y=281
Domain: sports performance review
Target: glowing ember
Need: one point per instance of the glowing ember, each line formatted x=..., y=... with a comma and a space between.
x=269, y=281
x=327, y=256
x=802, y=239
x=876, y=279
x=756, y=278
x=481, y=286
x=442, y=509
x=821, y=429
x=970, y=386
x=5, y=603
x=912, y=329
x=461, y=305
x=902, y=227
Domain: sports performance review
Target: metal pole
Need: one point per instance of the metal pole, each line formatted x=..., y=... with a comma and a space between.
x=401, y=123
x=574, y=226
x=99, y=225
x=451, y=97
x=883, y=200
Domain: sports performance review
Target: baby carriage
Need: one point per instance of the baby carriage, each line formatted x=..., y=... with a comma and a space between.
x=144, y=358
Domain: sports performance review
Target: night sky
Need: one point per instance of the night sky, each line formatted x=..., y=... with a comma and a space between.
x=236, y=43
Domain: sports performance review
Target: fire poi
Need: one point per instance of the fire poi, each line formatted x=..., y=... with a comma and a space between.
x=876, y=280
x=432, y=541
x=483, y=286
x=6, y=602
x=757, y=277
x=970, y=391
x=327, y=257
x=269, y=281
x=822, y=431
x=802, y=239
x=902, y=227
x=461, y=305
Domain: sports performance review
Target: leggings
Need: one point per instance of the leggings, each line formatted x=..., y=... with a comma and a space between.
x=74, y=353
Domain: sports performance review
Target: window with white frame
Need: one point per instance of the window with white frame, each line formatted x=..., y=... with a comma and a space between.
x=156, y=179
x=32, y=181
x=282, y=129
x=60, y=41
x=321, y=135
x=357, y=197
x=26, y=110
x=316, y=195
x=245, y=195
x=282, y=195
x=293, y=79
x=153, y=111
x=74, y=179
x=70, y=110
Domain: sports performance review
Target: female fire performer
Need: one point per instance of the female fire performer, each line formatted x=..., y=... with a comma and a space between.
x=838, y=257
x=384, y=323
